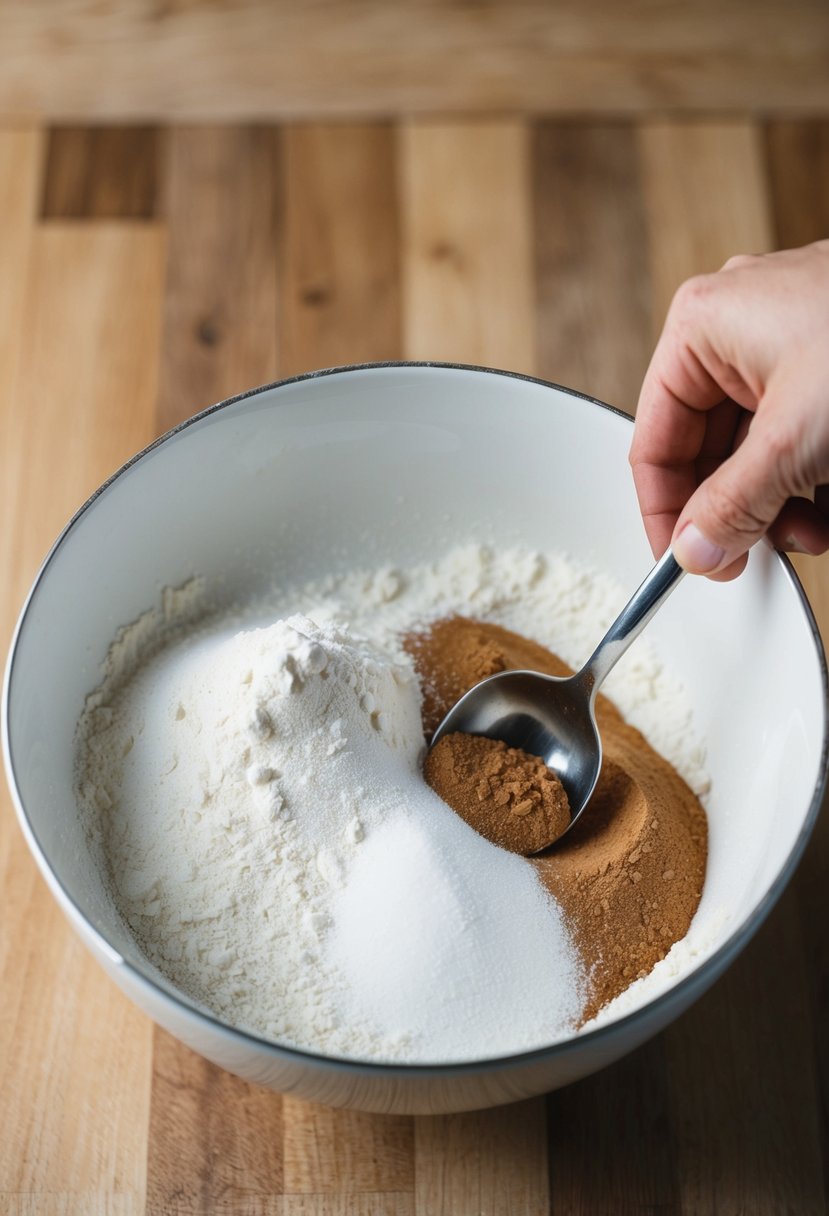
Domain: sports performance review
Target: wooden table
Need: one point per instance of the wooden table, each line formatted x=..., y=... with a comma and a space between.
x=148, y=272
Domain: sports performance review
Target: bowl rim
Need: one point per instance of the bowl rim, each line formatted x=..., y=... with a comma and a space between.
x=708, y=970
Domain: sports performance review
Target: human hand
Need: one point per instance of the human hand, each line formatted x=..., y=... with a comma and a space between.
x=731, y=440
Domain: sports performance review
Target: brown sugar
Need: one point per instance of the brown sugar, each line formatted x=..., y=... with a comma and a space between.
x=507, y=795
x=629, y=874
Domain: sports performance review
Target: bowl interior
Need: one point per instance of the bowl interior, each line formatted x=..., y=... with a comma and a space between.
x=398, y=464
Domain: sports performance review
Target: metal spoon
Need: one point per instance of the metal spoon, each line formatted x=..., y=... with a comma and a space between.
x=554, y=718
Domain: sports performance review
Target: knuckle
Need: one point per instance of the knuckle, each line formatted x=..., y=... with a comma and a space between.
x=731, y=507
x=779, y=443
x=783, y=456
x=691, y=295
x=691, y=300
x=739, y=260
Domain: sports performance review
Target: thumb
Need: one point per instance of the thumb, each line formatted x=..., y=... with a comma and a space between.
x=734, y=507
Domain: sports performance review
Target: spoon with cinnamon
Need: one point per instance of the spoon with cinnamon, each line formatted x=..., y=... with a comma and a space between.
x=555, y=718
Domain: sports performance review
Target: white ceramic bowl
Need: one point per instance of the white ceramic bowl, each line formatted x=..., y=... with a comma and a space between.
x=363, y=465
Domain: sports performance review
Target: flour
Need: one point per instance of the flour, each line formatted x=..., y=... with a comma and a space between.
x=255, y=790
x=277, y=854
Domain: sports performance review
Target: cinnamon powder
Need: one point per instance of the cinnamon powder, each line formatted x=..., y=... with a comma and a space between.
x=629, y=874
x=507, y=795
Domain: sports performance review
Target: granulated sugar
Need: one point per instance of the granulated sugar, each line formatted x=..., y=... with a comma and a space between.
x=441, y=939
x=257, y=796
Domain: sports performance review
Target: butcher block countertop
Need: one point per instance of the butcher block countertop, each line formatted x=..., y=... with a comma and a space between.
x=148, y=271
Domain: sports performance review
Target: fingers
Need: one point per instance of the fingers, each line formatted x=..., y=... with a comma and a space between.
x=685, y=419
x=802, y=525
x=736, y=505
x=726, y=426
x=713, y=478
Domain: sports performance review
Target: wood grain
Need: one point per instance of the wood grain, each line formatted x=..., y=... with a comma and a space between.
x=798, y=158
x=220, y=304
x=340, y=246
x=205, y=61
x=345, y=1152
x=376, y=1204
x=101, y=173
x=592, y=284
x=214, y=1140
x=74, y=1052
x=734, y=1069
x=613, y=1135
x=491, y=1162
x=467, y=250
x=21, y=156
x=705, y=193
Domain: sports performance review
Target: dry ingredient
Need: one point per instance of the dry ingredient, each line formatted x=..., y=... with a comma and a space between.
x=629, y=874
x=276, y=853
x=286, y=947
x=504, y=793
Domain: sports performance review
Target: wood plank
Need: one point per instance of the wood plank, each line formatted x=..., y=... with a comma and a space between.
x=744, y=1102
x=204, y=61
x=798, y=160
x=74, y=1053
x=100, y=1203
x=342, y=1152
x=593, y=292
x=706, y=199
x=101, y=173
x=467, y=260
x=376, y=1204
x=750, y=1141
x=21, y=156
x=214, y=1140
x=491, y=1162
x=340, y=246
x=220, y=303
x=613, y=1135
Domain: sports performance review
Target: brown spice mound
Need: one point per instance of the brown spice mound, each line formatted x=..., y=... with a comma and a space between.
x=629, y=874
x=506, y=794
x=455, y=654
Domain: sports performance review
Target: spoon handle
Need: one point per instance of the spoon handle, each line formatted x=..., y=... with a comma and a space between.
x=633, y=618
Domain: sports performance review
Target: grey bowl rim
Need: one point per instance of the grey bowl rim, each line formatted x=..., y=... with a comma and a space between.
x=716, y=963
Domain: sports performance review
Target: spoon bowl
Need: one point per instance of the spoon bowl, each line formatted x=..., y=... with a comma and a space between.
x=555, y=718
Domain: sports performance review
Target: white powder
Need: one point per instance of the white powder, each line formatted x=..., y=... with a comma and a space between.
x=274, y=849
x=451, y=947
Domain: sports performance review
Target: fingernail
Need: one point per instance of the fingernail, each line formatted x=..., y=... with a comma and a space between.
x=793, y=545
x=695, y=552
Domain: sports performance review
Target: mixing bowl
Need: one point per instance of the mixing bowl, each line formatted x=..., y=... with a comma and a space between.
x=396, y=463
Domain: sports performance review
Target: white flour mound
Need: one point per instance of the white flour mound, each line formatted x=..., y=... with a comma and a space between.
x=257, y=796
x=277, y=854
